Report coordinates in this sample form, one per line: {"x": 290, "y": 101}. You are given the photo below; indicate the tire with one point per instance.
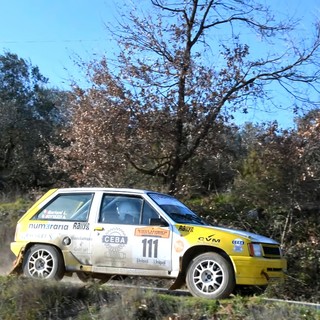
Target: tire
{"x": 43, "y": 262}
{"x": 209, "y": 275}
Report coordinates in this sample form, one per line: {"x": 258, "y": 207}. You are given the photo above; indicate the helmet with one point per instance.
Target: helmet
{"x": 127, "y": 210}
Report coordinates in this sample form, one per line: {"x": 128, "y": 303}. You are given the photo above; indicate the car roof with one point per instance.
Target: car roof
{"x": 109, "y": 190}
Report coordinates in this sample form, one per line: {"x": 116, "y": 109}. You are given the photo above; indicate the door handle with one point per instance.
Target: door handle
{"x": 98, "y": 229}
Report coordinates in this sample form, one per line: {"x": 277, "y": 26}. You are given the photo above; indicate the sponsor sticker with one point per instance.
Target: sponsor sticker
{"x": 185, "y": 228}
{"x": 237, "y": 245}
{"x": 178, "y": 246}
{"x": 152, "y": 232}
{"x": 209, "y": 238}
{"x": 41, "y": 236}
{"x": 81, "y": 226}
{"x": 48, "y": 226}
{"x": 52, "y": 214}
{"x": 115, "y": 239}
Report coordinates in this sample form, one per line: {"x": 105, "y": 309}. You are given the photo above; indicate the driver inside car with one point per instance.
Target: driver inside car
{"x": 128, "y": 212}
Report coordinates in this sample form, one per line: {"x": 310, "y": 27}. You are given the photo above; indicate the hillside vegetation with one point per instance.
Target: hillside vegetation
{"x": 27, "y": 299}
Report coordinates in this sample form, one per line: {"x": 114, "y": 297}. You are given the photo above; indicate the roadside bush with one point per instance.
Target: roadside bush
{"x": 27, "y": 299}
{"x": 10, "y": 212}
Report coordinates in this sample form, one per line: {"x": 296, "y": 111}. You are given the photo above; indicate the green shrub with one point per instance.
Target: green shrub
{"x": 22, "y": 298}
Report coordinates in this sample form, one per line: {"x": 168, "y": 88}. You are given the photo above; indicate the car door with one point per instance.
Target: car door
{"x": 124, "y": 236}
{"x": 65, "y": 221}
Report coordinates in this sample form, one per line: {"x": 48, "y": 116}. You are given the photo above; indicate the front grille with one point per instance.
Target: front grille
{"x": 271, "y": 251}
{"x": 274, "y": 269}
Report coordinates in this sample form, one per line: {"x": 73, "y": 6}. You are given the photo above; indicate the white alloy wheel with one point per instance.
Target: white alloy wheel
{"x": 43, "y": 262}
{"x": 210, "y": 275}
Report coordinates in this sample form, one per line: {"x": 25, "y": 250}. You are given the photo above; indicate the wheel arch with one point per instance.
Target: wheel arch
{"x": 18, "y": 263}
{"x": 49, "y": 263}
{"x": 66, "y": 256}
{"x": 194, "y": 251}
{"x": 31, "y": 244}
{"x": 189, "y": 255}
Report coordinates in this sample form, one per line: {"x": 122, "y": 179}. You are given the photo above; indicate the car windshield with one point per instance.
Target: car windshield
{"x": 175, "y": 209}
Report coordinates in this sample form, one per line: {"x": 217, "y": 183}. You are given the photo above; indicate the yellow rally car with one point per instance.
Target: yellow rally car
{"x": 102, "y": 233}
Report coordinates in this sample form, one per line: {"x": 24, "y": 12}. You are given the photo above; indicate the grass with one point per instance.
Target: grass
{"x": 22, "y": 298}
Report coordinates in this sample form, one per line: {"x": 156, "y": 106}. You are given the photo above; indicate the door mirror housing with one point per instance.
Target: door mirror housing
{"x": 158, "y": 222}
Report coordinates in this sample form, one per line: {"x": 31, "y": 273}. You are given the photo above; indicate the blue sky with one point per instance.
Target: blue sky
{"x": 51, "y": 34}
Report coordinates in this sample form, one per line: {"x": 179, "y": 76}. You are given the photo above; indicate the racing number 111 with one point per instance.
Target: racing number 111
{"x": 150, "y": 248}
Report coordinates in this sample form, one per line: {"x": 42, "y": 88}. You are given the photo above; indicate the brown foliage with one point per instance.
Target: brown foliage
{"x": 164, "y": 101}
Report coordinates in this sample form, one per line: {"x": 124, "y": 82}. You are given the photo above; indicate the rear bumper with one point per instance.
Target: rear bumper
{"x": 17, "y": 264}
{"x": 258, "y": 271}
{"x": 17, "y": 247}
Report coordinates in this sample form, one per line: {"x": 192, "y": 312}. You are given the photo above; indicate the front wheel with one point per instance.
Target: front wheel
{"x": 43, "y": 262}
{"x": 210, "y": 275}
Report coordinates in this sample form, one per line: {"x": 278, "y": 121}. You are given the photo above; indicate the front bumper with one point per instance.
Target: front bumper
{"x": 258, "y": 271}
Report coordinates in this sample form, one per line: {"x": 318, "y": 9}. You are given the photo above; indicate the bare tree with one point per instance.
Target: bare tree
{"x": 182, "y": 71}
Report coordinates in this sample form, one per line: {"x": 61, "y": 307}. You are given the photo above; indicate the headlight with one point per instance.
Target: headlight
{"x": 255, "y": 249}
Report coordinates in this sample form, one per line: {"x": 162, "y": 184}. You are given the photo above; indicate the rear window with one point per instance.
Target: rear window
{"x": 72, "y": 207}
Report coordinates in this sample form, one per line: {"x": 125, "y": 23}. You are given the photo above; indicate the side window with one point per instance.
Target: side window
{"x": 120, "y": 210}
{"x": 72, "y": 207}
{"x": 108, "y": 210}
{"x": 148, "y": 214}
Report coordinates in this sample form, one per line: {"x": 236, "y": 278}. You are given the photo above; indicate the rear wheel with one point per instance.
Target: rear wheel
{"x": 43, "y": 262}
{"x": 210, "y": 275}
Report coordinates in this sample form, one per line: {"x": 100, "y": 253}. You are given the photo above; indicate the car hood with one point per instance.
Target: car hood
{"x": 252, "y": 236}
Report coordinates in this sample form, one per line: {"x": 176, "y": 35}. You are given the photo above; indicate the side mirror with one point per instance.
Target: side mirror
{"x": 158, "y": 222}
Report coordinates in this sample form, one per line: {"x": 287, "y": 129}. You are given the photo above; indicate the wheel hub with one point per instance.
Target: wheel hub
{"x": 207, "y": 276}
{"x": 40, "y": 264}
